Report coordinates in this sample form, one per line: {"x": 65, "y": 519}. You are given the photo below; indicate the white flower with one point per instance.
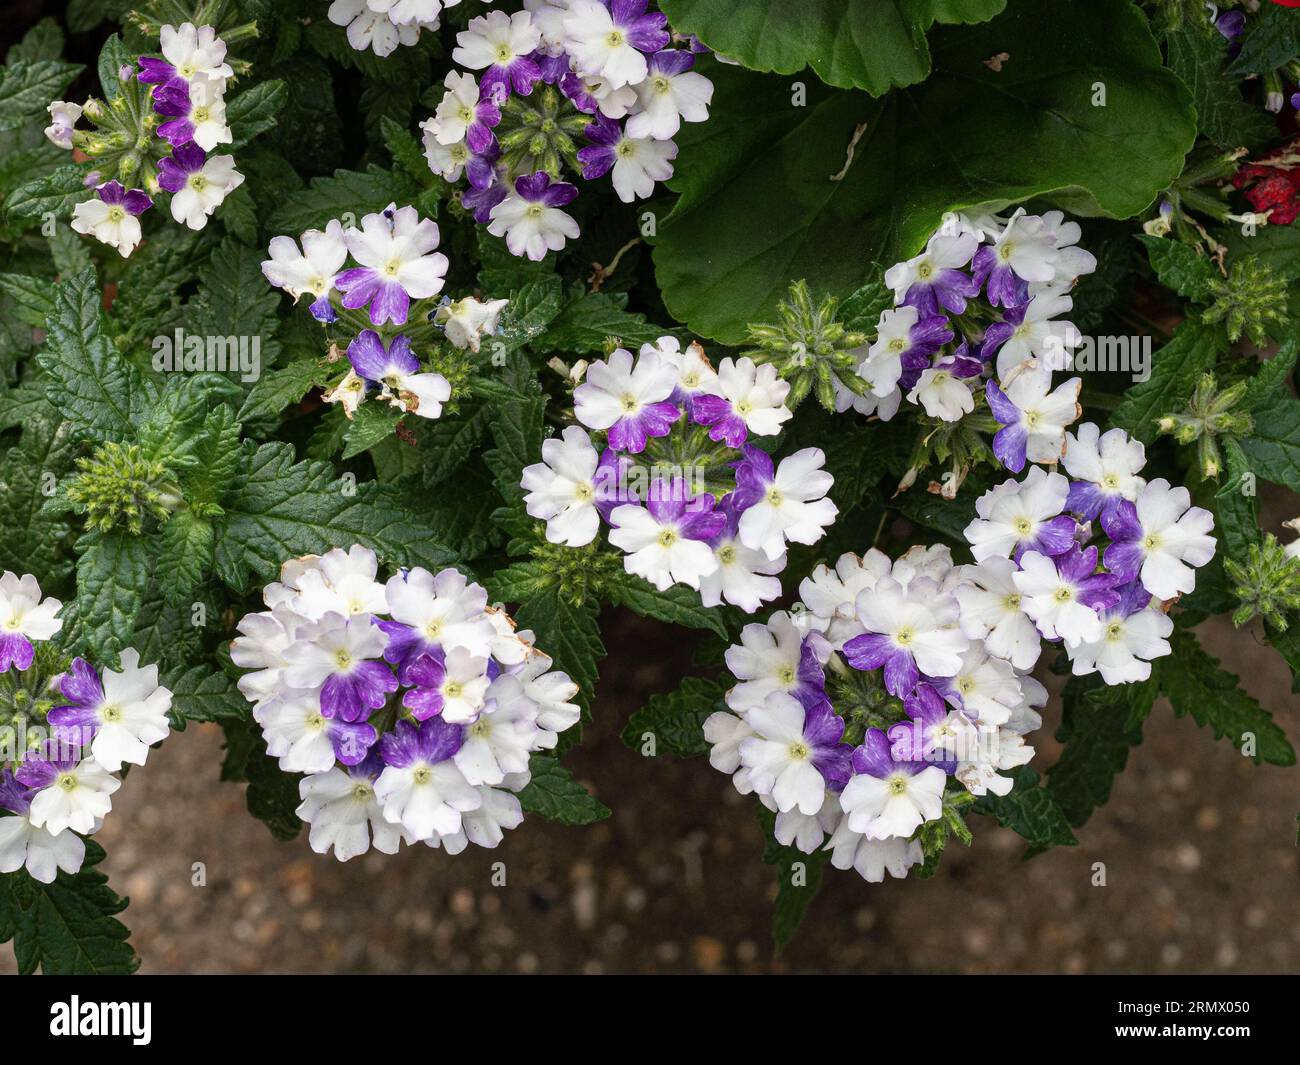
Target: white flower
{"x": 343, "y": 813}
{"x": 756, "y": 394}
{"x": 25, "y": 618}
{"x": 464, "y": 686}
{"x": 341, "y": 582}
{"x": 743, "y": 577}
{"x": 315, "y": 268}
{"x": 918, "y": 620}
{"x": 1028, "y": 246}
{"x": 1015, "y": 514}
{"x": 446, "y": 160}
{"x": 1292, "y": 550}
{"x": 499, "y": 812}
{"x": 895, "y": 805}
{"x": 1123, "y": 652}
{"x": 108, "y": 223}
{"x": 695, "y": 374}
{"x": 946, "y": 250}
{"x": 1111, "y": 461}
{"x": 195, "y": 51}
{"x": 1040, "y": 339}
{"x": 621, "y": 388}
{"x": 531, "y": 227}
{"x": 208, "y": 112}
{"x": 368, "y": 28}
{"x": 132, "y": 714}
{"x": 638, "y": 164}
{"x": 260, "y": 647}
{"x": 599, "y": 47}
{"x": 996, "y": 748}
{"x": 497, "y": 743}
{"x": 466, "y": 321}
{"x": 1175, "y": 537}
{"x": 942, "y": 394}
{"x": 397, "y": 246}
{"x": 335, "y": 644}
{"x": 561, "y": 488}
{"x": 766, "y": 660}
{"x": 778, "y": 758}
{"x": 205, "y": 190}
{"x": 296, "y": 732}
{"x": 553, "y": 691}
{"x": 1051, "y": 599}
{"x": 805, "y": 831}
{"x": 445, "y": 609}
{"x": 1044, "y": 412}
{"x": 990, "y": 611}
{"x": 496, "y": 39}
{"x": 657, "y": 547}
{"x": 987, "y": 688}
{"x": 832, "y": 595}
{"x": 725, "y": 732}
{"x": 793, "y": 507}
{"x": 883, "y": 365}
{"x": 666, "y": 100}
{"x": 1069, "y": 261}
{"x": 872, "y": 858}
{"x": 77, "y": 799}
{"x": 348, "y": 393}
{"x": 63, "y": 119}
{"x": 426, "y": 797}
{"x": 458, "y": 109}
{"x": 41, "y": 851}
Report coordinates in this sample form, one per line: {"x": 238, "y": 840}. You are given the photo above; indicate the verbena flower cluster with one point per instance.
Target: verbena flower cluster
{"x": 582, "y": 86}
{"x": 65, "y": 729}
{"x": 861, "y": 717}
{"x": 412, "y": 706}
{"x": 984, "y": 301}
{"x": 397, "y": 276}
{"x": 686, "y": 494}
{"x": 381, "y": 25}
{"x": 156, "y": 132}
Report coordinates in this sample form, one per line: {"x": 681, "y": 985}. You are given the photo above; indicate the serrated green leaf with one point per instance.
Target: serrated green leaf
{"x": 584, "y": 325}
{"x": 1029, "y": 810}
{"x": 357, "y": 192}
{"x": 33, "y": 539}
{"x": 1181, "y": 267}
{"x": 113, "y": 571}
{"x": 201, "y": 694}
{"x": 1272, "y": 448}
{"x": 554, "y": 794}
{"x": 32, "y": 296}
{"x": 27, "y": 86}
{"x": 676, "y": 719}
{"x": 678, "y": 605}
{"x": 1198, "y": 54}
{"x": 1175, "y": 369}
{"x": 1198, "y": 686}
{"x": 53, "y": 193}
{"x": 69, "y": 927}
{"x": 283, "y": 387}
{"x": 569, "y": 634}
{"x": 97, "y": 390}
{"x": 371, "y": 424}
{"x": 255, "y": 110}
{"x": 184, "y": 555}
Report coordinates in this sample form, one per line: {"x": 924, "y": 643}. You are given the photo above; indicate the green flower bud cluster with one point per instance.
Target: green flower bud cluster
{"x": 539, "y": 131}
{"x": 1209, "y": 415}
{"x": 1248, "y": 300}
{"x": 117, "y": 485}
{"x": 1267, "y": 584}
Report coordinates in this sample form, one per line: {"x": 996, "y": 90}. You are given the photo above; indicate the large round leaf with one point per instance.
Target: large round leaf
{"x": 1081, "y": 110}
{"x": 864, "y": 44}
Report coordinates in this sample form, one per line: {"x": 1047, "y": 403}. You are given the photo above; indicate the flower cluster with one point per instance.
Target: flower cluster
{"x": 687, "y": 497}
{"x": 396, "y": 277}
{"x": 975, "y": 332}
{"x": 863, "y": 715}
{"x": 381, "y": 25}
{"x": 156, "y": 132}
{"x": 412, "y": 706}
{"x": 65, "y": 729}
{"x": 558, "y": 73}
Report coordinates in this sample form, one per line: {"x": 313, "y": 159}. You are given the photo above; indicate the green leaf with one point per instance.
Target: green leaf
{"x": 518, "y": 405}
{"x": 1099, "y": 726}
{"x": 32, "y": 297}
{"x": 34, "y": 540}
{"x": 1181, "y": 267}
{"x": 569, "y": 634}
{"x": 798, "y": 879}
{"x": 42, "y": 41}
{"x": 357, "y": 192}
{"x": 255, "y": 110}
{"x": 584, "y": 325}
{"x": 969, "y": 136}
{"x": 283, "y": 387}
{"x": 278, "y": 509}
{"x": 69, "y": 927}
{"x": 554, "y": 794}
{"x": 1274, "y": 39}
{"x": 200, "y": 694}
{"x": 113, "y": 570}
{"x": 1030, "y": 810}
{"x": 874, "y": 45}
{"x": 216, "y": 459}
{"x": 530, "y": 310}
{"x": 676, "y": 719}
{"x": 404, "y": 149}
{"x": 97, "y": 390}
{"x": 236, "y": 308}
{"x": 1272, "y": 449}
{"x": 1175, "y": 369}
{"x": 185, "y": 555}
{"x": 371, "y": 424}
{"x": 678, "y": 605}
{"x": 1236, "y": 524}
{"x": 1198, "y": 54}
{"x": 1198, "y": 686}
{"x": 28, "y": 86}
{"x": 53, "y": 193}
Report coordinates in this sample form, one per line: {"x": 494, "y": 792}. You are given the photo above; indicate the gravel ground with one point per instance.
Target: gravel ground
{"x": 1198, "y": 843}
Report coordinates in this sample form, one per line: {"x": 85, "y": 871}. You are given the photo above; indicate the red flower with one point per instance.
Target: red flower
{"x": 1272, "y": 188}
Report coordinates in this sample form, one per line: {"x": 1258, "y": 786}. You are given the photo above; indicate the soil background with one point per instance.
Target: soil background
{"x": 1201, "y": 869}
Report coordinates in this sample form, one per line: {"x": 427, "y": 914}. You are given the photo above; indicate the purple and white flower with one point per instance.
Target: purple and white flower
{"x": 612, "y": 41}
{"x": 26, "y": 618}
{"x": 23, "y": 845}
{"x": 397, "y": 372}
{"x": 198, "y": 184}
{"x": 667, "y": 539}
{"x": 530, "y": 219}
{"x": 113, "y": 216}
{"x": 1105, "y": 468}
{"x": 887, "y": 798}
{"x": 562, "y": 488}
{"x": 628, "y": 399}
{"x": 119, "y": 717}
{"x": 501, "y": 46}
{"x": 1159, "y": 538}
{"x": 785, "y": 504}
{"x": 749, "y": 399}
{"x": 1065, "y": 594}
{"x": 399, "y": 263}
{"x": 795, "y": 754}
{"x": 637, "y": 163}
{"x": 1034, "y": 417}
